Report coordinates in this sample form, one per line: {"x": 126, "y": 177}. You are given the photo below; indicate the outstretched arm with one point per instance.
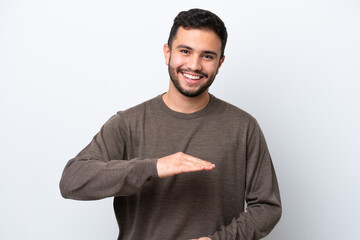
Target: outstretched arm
{"x": 100, "y": 171}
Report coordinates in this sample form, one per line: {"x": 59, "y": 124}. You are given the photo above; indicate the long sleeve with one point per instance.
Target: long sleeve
{"x": 120, "y": 162}
{"x": 262, "y": 194}
{"x": 101, "y": 170}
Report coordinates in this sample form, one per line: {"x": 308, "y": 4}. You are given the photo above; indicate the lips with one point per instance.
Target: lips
{"x": 190, "y": 78}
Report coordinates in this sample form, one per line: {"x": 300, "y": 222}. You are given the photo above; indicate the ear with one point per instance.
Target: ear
{"x": 220, "y": 63}
{"x": 166, "y": 50}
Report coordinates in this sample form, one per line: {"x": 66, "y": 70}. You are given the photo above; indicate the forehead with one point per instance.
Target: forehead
{"x": 198, "y": 39}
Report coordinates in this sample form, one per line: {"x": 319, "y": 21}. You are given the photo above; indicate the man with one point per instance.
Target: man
{"x": 182, "y": 165}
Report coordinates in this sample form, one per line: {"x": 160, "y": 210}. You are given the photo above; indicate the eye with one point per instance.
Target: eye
{"x": 184, "y": 51}
{"x": 209, "y": 57}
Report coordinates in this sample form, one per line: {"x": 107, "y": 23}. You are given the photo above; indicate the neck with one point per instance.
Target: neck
{"x": 180, "y": 103}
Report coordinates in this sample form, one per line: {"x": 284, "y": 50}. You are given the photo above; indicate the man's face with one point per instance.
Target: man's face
{"x": 194, "y": 60}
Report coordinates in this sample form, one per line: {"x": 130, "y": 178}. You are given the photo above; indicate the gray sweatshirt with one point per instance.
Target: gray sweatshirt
{"x": 120, "y": 162}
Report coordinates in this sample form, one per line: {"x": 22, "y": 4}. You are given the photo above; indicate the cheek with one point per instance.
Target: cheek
{"x": 176, "y": 61}
{"x": 214, "y": 67}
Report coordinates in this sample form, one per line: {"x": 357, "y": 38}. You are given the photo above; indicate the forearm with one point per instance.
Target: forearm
{"x": 254, "y": 224}
{"x": 93, "y": 179}
{"x": 101, "y": 169}
{"x": 262, "y": 195}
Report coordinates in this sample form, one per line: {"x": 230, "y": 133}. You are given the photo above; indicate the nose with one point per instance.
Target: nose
{"x": 195, "y": 63}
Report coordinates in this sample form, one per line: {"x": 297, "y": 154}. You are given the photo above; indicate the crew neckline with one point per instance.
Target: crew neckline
{"x": 176, "y": 114}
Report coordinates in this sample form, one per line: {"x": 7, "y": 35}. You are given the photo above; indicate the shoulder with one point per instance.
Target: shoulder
{"x": 140, "y": 109}
{"x": 136, "y": 113}
{"x": 238, "y": 119}
{"x": 122, "y": 119}
{"x": 232, "y": 112}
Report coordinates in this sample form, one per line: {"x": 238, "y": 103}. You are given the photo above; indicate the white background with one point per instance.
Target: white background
{"x": 67, "y": 66}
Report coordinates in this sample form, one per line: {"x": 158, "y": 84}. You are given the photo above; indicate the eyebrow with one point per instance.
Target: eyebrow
{"x": 189, "y": 48}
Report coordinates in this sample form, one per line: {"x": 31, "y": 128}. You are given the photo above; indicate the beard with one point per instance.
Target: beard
{"x": 189, "y": 92}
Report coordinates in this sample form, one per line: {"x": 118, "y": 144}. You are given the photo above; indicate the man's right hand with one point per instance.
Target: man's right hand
{"x": 179, "y": 163}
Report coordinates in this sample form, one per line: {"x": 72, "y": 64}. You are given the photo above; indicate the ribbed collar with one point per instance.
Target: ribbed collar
{"x": 175, "y": 114}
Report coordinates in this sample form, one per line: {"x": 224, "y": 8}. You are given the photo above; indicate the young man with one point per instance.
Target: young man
{"x": 182, "y": 165}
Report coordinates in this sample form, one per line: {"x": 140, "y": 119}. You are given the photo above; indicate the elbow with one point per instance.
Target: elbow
{"x": 276, "y": 207}
{"x": 71, "y": 189}
{"x": 68, "y": 187}
{"x": 64, "y": 189}
{"x": 277, "y": 214}
{"x": 68, "y": 191}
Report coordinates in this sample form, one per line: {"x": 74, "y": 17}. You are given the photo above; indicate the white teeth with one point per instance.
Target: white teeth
{"x": 191, "y": 76}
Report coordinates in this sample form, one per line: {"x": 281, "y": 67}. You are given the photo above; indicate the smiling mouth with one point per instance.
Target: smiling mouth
{"x": 192, "y": 77}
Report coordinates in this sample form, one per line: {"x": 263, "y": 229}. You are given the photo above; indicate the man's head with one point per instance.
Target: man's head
{"x": 199, "y": 19}
{"x": 195, "y": 51}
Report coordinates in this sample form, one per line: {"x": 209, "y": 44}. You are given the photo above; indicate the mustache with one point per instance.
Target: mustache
{"x": 178, "y": 70}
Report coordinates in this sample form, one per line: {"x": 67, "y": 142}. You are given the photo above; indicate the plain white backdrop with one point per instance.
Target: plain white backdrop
{"x": 67, "y": 66}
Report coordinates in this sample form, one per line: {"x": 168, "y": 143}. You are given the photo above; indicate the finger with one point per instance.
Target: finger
{"x": 201, "y": 165}
{"x": 196, "y": 160}
{"x": 193, "y": 167}
{"x": 209, "y": 167}
{"x": 188, "y": 159}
